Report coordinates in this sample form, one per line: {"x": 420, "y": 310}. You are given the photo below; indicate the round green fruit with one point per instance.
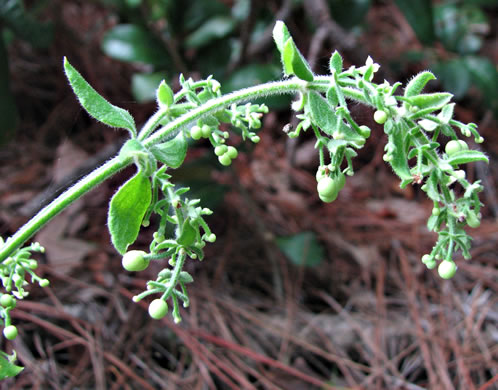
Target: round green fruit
{"x": 232, "y": 152}
{"x": 134, "y": 261}
{"x": 158, "y": 308}
{"x": 455, "y": 146}
{"x": 196, "y": 132}
{"x": 10, "y": 332}
{"x": 225, "y": 159}
{"x": 327, "y": 188}
{"x": 7, "y": 300}
{"x": 447, "y": 269}
{"x": 473, "y": 220}
{"x": 380, "y": 117}
{"x": 220, "y": 150}
{"x": 206, "y": 131}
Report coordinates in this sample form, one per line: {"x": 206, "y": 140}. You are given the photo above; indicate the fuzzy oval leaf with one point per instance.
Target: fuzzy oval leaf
{"x": 399, "y": 163}
{"x": 335, "y": 63}
{"x": 171, "y": 153}
{"x": 428, "y": 100}
{"x": 164, "y": 94}
{"x": 322, "y": 113}
{"x": 280, "y": 35}
{"x": 127, "y": 209}
{"x": 8, "y": 369}
{"x": 417, "y": 84}
{"x": 295, "y": 63}
{"x": 96, "y": 105}
{"x": 467, "y": 156}
{"x": 188, "y": 234}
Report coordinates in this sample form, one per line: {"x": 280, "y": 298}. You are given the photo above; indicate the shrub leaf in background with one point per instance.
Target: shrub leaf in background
{"x": 127, "y": 209}
{"x": 302, "y": 249}
{"x": 96, "y": 105}
{"x": 132, "y": 43}
{"x": 419, "y": 15}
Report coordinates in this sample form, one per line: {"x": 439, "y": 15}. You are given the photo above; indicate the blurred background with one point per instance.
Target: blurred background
{"x": 295, "y": 293}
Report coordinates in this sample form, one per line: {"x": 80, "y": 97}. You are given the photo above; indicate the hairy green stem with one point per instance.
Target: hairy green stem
{"x": 60, "y": 203}
{"x": 114, "y": 165}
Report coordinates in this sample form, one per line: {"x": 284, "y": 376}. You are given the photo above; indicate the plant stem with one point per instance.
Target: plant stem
{"x": 114, "y": 165}
{"x": 60, "y": 203}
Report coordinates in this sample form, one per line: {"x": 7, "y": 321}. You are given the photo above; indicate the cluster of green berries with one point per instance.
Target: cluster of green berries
{"x": 8, "y": 302}
{"x": 198, "y": 132}
{"x": 446, "y": 268}
{"x": 226, "y": 154}
{"x": 328, "y": 187}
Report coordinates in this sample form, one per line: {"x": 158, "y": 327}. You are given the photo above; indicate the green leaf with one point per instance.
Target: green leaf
{"x": 302, "y": 249}
{"x": 429, "y": 100}
{"x": 349, "y": 13}
{"x": 454, "y": 76}
{"x": 14, "y": 16}
{"x": 295, "y": 63}
{"x": 8, "y": 110}
{"x": 132, "y": 43}
{"x": 332, "y": 97}
{"x": 127, "y": 209}
{"x": 485, "y": 75}
{"x": 431, "y": 186}
{"x": 213, "y": 29}
{"x": 188, "y": 234}
{"x": 417, "y": 84}
{"x": 164, "y": 94}
{"x": 466, "y": 156}
{"x": 171, "y": 153}
{"x": 399, "y": 163}
{"x": 335, "y": 64}
{"x": 322, "y": 113}
{"x": 8, "y": 369}
{"x": 96, "y": 105}
{"x": 419, "y": 15}
{"x": 144, "y": 86}
{"x": 280, "y": 35}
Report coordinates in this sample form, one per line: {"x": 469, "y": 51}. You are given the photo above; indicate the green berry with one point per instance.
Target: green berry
{"x": 7, "y": 300}
{"x": 430, "y": 264}
{"x": 158, "y": 308}
{"x": 365, "y": 131}
{"x": 463, "y": 145}
{"x": 380, "y": 117}
{"x": 479, "y": 140}
{"x": 472, "y": 219}
{"x": 225, "y": 159}
{"x": 255, "y": 139}
{"x": 327, "y": 187}
{"x": 436, "y": 211}
{"x": 327, "y": 199}
{"x": 196, "y": 132}
{"x": 426, "y": 259}
{"x": 220, "y": 149}
{"x": 135, "y": 261}
{"x": 44, "y": 283}
{"x": 455, "y": 146}
{"x": 206, "y": 131}
{"x": 211, "y": 238}
{"x": 232, "y": 152}
{"x": 447, "y": 269}
{"x": 10, "y": 332}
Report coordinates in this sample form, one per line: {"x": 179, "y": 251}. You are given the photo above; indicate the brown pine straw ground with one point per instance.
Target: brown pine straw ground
{"x": 370, "y": 316}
